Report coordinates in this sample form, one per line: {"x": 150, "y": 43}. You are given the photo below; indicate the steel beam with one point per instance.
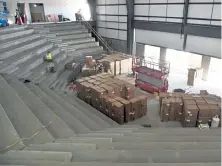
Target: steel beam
{"x": 190, "y": 29}
{"x": 185, "y": 15}
{"x": 130, "y": 27}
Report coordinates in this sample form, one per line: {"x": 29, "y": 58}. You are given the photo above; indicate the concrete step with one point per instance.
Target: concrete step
{"x": 93, "y": 50}
{"x": 71, "y": 121}
{"x": 56, "y": 127}
{"x": 21, "y": 57}
{"x": 78, "y": 41}
{"x": 62, "y": 24}
{"x": 16, "y": 41}
{"x": 12, "y": 29}
{"x": 22, "y": 48}
{"x": 78, "y": 114}
{"x": 64, "y": 28}
{"x": 81, "y": 46}
{"x": 158, "y": 145}
{"x": 54, "y": 163}
{"x": 91, "y": 140}
{"x": 12, "y": 35}
{"x": 8, "y": 135}
{"x": 37, "y": 155}
{"x": 88, "y": 111}
{"x": 71, "y": 32}
{"x": 61, "y": 147}
{"x": 75, "y": 36}
{"x": 22, "y": 118}
{"x": 78, "y": 102}
{"x": 148, "y": 156}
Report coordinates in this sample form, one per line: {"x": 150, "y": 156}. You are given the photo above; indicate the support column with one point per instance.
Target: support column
{"x": 162, "y": 58}
{"x": 140, "y": 50}
{"x": 130, "y": 29}
{"x": 205, "y": 65}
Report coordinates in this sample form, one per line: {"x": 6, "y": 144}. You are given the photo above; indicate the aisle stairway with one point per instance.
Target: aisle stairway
{"x": 70, "y": 132}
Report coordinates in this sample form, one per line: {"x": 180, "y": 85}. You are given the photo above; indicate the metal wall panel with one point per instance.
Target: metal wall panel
{"x": 112, "y": 19}
{"x": 163, "y": 39}
{"x": 204, "y": 46}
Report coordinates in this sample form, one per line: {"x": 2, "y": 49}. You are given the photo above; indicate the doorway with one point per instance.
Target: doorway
{"x": 37, "y": 12}
{"x": 21, "y": 9}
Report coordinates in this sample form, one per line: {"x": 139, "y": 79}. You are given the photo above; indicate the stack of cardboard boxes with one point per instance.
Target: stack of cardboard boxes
{"x": 191, "y": 110}
{"x": 113, "y": 97}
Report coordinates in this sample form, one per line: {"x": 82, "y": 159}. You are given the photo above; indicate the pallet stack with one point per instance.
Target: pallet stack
{"x": 191, "y": 110}
{"x": 113, "y": 97}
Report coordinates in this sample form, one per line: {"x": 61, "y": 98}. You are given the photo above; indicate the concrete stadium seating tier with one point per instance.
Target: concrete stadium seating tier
{"x": 42, "y": 125}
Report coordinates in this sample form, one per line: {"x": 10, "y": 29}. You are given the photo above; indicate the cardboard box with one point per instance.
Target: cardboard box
{"x": 204, "y": 110}
{"x": 143, "y": 105}
{"x": 109, "y": 89}
{"x": 165, "y": 110}
{"x": 190, "y": 116}
{"x": 117, "y": 112}
{"x": 135, "y": 112}
{"x": 129, "y": 89}
{"x": 127, "y": 108}
{"x": 109, "y": 105}
{"x": 179, "y": 109}
{"x": 214, "y": 110}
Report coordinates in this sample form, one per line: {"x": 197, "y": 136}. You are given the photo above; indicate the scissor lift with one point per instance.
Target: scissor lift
{"x": 151, "y": 74}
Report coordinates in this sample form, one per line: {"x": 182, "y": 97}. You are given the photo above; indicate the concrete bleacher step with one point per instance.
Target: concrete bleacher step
{"x": 56, "y": 127}
{"x": 63, "y": 24}
{"x": 61, "y": 147}
{"x": 15, "y": 34}
{"x": 14, "y": 29}
{"x": 22, "y": 48}
{"x": 88, "y": 122}
{"x": 64, "y": 28}
{"x": 22, "y": 118}
{"x": 78, "y": 41}
{"x": 148, "y": 156}
{"x": 82, "y": 46}
{"x": 37, "y": 155}
{"x": 54, "y": 163}
{"x": 90, "y": 111}
{"x": 71, "y": 121}
{"x": 9, "y": 135}
{"x": 75, "y": 36}
{"x": 97, "y": 49}
{"x": 93, "y": 140}
{"x": 158, "y": 145}
{"x": 21, "y": 57}
{"x": 71, "y": 32}
{"x": 102, "y": 121}
{"x": 16, "y": 41}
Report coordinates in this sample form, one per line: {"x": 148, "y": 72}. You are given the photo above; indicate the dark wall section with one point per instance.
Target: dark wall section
{"x": 117, "y": 45}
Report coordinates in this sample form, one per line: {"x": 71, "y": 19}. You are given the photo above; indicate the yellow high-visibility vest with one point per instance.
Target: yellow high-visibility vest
{"x": 48, "y": 56}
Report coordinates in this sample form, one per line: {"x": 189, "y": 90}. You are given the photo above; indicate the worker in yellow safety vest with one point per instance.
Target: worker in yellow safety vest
{"x": 48, "y": 57}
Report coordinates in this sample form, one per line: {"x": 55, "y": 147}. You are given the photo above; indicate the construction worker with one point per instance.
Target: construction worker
{"x": 16, "y": 14}
{"x": 48, "y": 57}
{"x": 51, "y": 66}
{"x": 78, "y": 16}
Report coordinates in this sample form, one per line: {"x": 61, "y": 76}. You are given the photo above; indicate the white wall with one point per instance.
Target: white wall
{"x": 67, "y": 8}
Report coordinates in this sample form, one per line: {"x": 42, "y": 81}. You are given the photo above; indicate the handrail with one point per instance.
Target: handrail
{"x": 108, "y": 47}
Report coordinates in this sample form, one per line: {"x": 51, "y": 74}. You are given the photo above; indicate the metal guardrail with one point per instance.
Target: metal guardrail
{"x": 105, "y": 44}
